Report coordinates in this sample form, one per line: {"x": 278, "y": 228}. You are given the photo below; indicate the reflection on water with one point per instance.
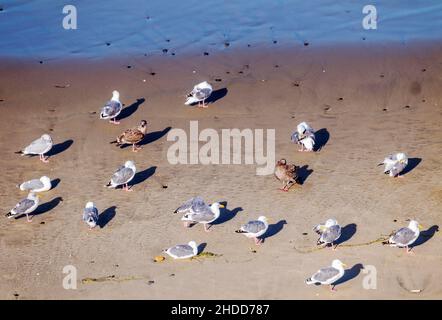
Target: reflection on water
{"x": 173, "y": 27}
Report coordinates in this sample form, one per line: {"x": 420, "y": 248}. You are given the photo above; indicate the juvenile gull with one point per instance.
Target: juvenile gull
{"x": 123, "y": 176}
{"x": 394, "y": 164}
{"x": 199, "y": 94}
{"x": 132, "y": 136}
{"x": 25, "y": 206}
{"x": 328, "y": 275}
{"x": 36, "y": 185}
{"x": 305, "y": 136}
{"x": 330, "y": 231}
{"x": 287, "y": 173}
{"x": 255, "y": 229}
{"x": 112, "y": 108}
{"x": 196, "y": 210}
{"x": 39, "y": 146}
{"x": 406, "y": 236}
{"x": 90, "y": 215}
{"x": 183, "y": 251}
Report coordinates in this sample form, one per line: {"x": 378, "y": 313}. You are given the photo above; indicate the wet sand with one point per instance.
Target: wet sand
{"x": 366, "y": 102}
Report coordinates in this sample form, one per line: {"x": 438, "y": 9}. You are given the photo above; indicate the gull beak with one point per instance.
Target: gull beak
{"x": 222, "y": 206}
{"x": 420, "y": 227}
{"x": 344, "y": 265}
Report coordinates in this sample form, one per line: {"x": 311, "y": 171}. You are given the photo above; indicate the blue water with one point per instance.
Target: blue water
{"x": 33, "y": 29}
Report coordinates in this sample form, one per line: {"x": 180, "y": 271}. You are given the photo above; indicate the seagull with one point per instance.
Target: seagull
{"x": 287, "y": 173}
{"x": 328, "y": 275}
{"x": 25, "y": 206}
{"x": 196, "y": 210}
{"x": 90, "y": 215}
{"x": 199, "y": 94}
{"x": 36, "y": 185}
{"x": 132, "y": 136}
{"x": 406, "y": 236}
{"x": 305, "y": 136}
{"x": 112, "y": 108}
{"x": 255, "y": 229}
{"x": 330, "y": 232}
{"x": 395, "y": 164}
{"x": 183, "y": 251}
{"x": 123, "y": 176}
{"x": 39, "y": 146}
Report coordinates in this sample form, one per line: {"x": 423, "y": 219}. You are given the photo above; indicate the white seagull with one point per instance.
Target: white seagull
{"x": 406, "y": 236}
{"x": 196, "y": 210}
{"x": 112, "y": 108}
{"x": 25, "y": 206}
{"x": 394, "y": 164}
{"x": 36, "y": 185}
{"x": 328, "y": 275}
{"x": 330, "y": 231}
{"x": 255, "y": 229}
{"x": 183, "y": 251}
{"x": 123, "y": 176}
{"x": 90, "y": 215}
{"x": 199, "y": 94}
{"x": 39, "y": 146}
{"x": 305, "y": 136}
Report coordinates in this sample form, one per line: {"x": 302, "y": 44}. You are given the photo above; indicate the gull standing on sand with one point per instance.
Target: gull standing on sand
{"x": 36, "y": 185}
{"x": 25, "y": 206}
{"x": 406, "y": 236}
{"x": 199, "y": 94}
{"x": 90, "y": 215}
{"x": 255, "y": 229}
{"x": 287, "y": 173}
{"x": 328, "y": 275}
{"x": 305, "y": 136}
{"x": 39, "y": 146}
{"x": 395, "y": 164}
{"x": 196, "y": 210}
{"x": 132, "y": 136}
{"x": 330, "y": 231}
{"x": 112, "y": 108}
{"x": 123, "y": 176}
{"x": 183, "y": 251}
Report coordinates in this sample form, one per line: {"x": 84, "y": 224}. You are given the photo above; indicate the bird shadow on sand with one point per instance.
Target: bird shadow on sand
{"x": 425, "y": 235}
{"x": 347, "y": 233}
{"x": 274, "y": 229}
{"x": 142, "y": 176}
{"x": 226, "y": 214}
{"x": 130, "y": 110}
{"x": 45, "y": 207}
{"x": 321, "y": 138}
{"x": 412, "y": 163}
{"x": 217, "y": 95}
{"x": 350, "y": 274}
{"x": 59, "y": 148}
{"x": 201, "y": 247}
{"x": 154, "y": 136}
{"x": 54, "y": 183}
{"x": 303, "y": 173}
{"x": 106, "y": 216}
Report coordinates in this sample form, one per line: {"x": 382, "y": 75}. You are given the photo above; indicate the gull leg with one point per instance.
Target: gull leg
{"x": 27, "y": 218}
{"x": 334, "y": 248}
{"x": 206, "y": 227}
{"x": 113, "y": 121}
{"x": 135, "y": 148}
{"x": 43, "y": 158}
{"x": 409, "y": 250}
{"x": 332, "y": 288}
{"x": 186, "y": 224}
{"x": 204, "y": 104}
{"x": 126, "y": 188}
{"x": 258, "y": 241}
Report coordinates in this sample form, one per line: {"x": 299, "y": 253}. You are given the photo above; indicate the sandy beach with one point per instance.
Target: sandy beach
{"x": 367, "y": 101}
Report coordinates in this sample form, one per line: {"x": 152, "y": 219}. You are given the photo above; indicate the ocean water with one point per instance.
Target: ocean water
{"x": 34, "y": 29}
